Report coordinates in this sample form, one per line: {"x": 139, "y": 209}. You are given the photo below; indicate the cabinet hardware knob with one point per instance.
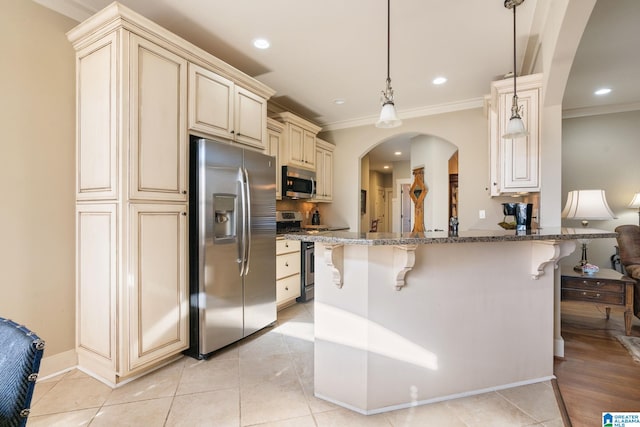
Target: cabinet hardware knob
{"x": 233, "y": 131}
{"x": 286, "y": 264}
{"x": 286, "y": 288}
{"x": 184, "y": 214}
{"x": 184, "y": 191}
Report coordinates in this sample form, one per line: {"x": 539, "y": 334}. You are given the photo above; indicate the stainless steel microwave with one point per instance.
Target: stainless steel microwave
{"x": 298, "y": 183}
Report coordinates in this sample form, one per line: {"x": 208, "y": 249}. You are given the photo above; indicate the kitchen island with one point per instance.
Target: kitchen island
{"x": 409, "y": 319}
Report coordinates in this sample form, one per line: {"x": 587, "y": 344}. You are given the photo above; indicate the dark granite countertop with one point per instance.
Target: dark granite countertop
{"x": 468, "y": 236}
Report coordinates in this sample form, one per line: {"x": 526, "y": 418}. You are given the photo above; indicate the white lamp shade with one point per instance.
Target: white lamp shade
{"x": 586, "y": 205}
{"x": 388, "y": 116}
{"x": 515, "y": 128}
{"x": 635, "y": 203}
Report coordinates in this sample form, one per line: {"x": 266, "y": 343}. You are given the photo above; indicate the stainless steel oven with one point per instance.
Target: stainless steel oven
{"x": 307, "y": 268}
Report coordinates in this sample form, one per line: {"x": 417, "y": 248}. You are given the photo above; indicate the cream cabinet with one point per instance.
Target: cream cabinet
{"x": 219, "y": 107}
{"x": 157, "y": 293}
{"x": 132, "y": 89}
{"x": 287, "y": 272}
{"x": 158, "y": 135}
{"x": 298, "y": 146}
{"x": 515, "y": 163}
{"x": 274, "y": 137}
{"x": 324, "y": 171}
{"x": 132, "y": 242}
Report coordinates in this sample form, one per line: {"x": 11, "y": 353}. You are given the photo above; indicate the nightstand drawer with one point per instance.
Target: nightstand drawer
{"x": 593, "y": 296}
{"x": 592, "y": 284}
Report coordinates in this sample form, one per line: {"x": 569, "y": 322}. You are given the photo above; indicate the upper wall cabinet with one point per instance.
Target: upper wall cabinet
{"x": 219, "y": 107}
{"x": 324, "y": 171}
{"x": 515, "y": 163}
{"x": 298, "y": 146}
{"x": 274, "y": 136}
{"x": 158, "y": 133}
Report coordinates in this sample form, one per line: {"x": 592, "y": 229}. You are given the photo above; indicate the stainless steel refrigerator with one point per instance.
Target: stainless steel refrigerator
{"x": 232, "y": 250}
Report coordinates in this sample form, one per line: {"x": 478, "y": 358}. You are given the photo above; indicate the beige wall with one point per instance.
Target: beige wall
{"x": 602, "y": 152}
{"x": 37, "y": 117}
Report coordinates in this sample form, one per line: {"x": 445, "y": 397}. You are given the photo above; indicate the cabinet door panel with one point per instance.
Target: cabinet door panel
{"x": 273, "y": 144}
{"x": 97, "y": 151}
{"x": 296, "y": 145}
{"x": 158, "y": 123}
{"x": 309, "y": 149}
{"x": 521, "y": 155}
{"x": 96, "y": 277}
{"x": 158, "y": 298}
{"x": 328, "y": 175}
{"x": 250, "y": 118}
{"x": 210, "y": 102}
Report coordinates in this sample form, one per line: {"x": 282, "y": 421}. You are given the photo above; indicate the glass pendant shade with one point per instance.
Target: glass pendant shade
{"x": 388, "y": 116}
{"x": 515, "y": 128}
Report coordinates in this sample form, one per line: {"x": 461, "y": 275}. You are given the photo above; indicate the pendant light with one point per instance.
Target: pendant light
{"x": 515, "y": 127}
{"x": 388, "y": 115}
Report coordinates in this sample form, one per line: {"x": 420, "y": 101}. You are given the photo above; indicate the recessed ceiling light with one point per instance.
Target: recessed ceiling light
{"x": 439, "y": 80}
{"x": 385, "y": 167}
{"x": 261, "y": 43}
{"x": 603, "y": 91}
{"x": 398, "y": 153}
{"x": 339, "y": 101}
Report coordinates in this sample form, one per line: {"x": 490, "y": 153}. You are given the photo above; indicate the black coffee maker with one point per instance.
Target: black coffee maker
{"x": 521, "y": 212}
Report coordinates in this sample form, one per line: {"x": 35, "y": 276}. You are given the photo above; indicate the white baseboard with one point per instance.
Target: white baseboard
{"x": 50, "y": 366}
{"x": 434, "y": 400}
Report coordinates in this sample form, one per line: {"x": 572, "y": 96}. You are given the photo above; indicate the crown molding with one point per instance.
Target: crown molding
{"x": 600, "y": 110}
{"x": 410, "y": 113}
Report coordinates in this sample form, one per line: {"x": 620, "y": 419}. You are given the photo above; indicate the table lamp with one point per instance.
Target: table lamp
{"x": 586, "y": 205}
{"x": 635, "y": 203}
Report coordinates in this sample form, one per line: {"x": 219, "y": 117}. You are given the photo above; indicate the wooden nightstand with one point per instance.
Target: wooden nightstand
{"x": 607, "y": 287}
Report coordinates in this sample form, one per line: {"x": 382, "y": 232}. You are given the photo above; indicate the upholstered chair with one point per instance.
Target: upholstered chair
{"x": 20, "y": 354}
{"x": 629, "y": 243}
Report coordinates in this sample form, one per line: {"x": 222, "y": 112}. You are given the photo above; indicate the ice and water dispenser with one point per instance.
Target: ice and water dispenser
{"x": 224, "y": 221}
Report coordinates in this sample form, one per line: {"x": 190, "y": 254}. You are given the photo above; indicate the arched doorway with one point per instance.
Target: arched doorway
{"x": 386, "y": 189}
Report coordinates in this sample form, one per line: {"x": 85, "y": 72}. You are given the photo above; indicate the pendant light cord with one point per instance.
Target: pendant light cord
{"x": 514, "y": 51}
{"x": 388, "y": 39}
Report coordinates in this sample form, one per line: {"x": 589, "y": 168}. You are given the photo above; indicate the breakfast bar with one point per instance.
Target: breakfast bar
{"x": 408, "y": 319}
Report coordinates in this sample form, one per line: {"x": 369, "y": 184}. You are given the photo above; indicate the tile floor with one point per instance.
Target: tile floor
{"x": 266, "y": 380}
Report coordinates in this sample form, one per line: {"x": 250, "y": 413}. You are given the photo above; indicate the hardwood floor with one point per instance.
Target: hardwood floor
{"x": 597, "y": 373}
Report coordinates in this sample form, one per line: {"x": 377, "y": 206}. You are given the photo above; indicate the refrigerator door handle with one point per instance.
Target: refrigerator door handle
{"x": 241, "y": 223}
{"x": 247, "y": 231}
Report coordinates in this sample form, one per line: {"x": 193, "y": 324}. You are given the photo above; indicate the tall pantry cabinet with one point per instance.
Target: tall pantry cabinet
{"x": 132, "y": 193}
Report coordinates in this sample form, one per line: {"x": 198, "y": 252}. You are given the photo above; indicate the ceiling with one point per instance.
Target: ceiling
{"x": 336, "y": 49}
